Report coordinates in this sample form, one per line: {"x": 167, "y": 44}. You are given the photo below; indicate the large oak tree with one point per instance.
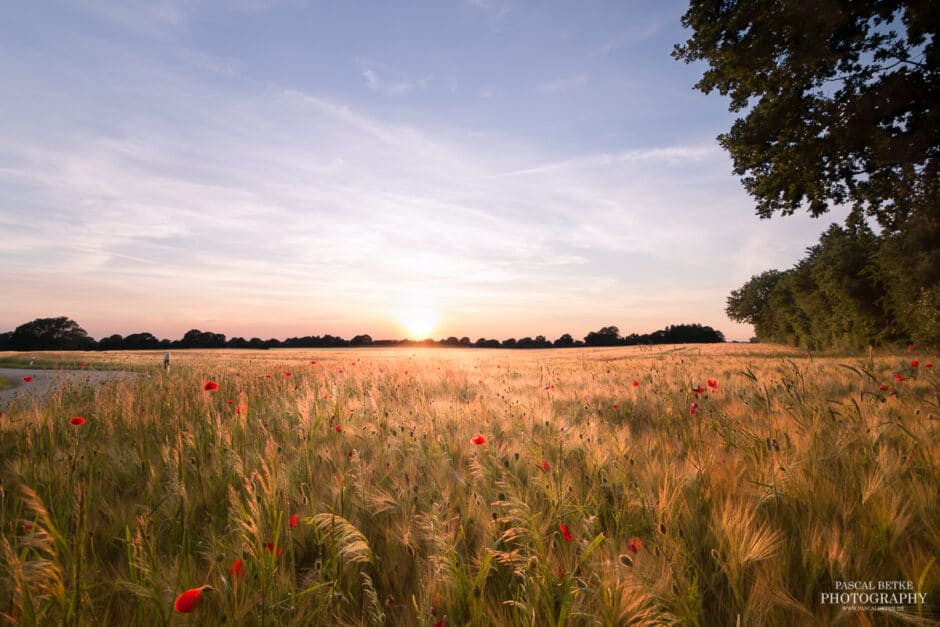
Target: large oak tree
{"x": 838, "y": 101}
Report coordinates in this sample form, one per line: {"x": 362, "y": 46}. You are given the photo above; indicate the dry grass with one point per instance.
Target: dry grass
{"x": 796, "y": 473}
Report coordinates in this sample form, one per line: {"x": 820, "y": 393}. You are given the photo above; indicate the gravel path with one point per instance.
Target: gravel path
{"x": 42, "y": 381}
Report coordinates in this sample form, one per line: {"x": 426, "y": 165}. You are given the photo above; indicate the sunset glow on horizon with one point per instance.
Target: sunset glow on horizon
{"x": 419, "y": 324}
{"x": 483, "y": 169}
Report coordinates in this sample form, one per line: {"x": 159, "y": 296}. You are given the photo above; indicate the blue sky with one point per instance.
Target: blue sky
{"x": 273, "y": 168}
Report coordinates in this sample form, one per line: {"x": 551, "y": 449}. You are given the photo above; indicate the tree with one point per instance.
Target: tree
{"x": 564, "y": 341}
{"x": 141, "y": 341}
{"x": 361, "y": 340}
{"x": 111, "y": 343}
{"x": 846, "y": 281}
{"x": 834, "y": 298}
{"x": 607, "y": 336}
{"x": 839, "y": 101}
{"x": 909, "y": 264}
{"x": 194, "y": 338}
{"x": 51, "y": 334}
{"x": 687, "y": 334}
{"x": 749, "y": 302}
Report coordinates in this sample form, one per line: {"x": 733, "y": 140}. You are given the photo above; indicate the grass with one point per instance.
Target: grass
{"x": 794, "y": 474}
{"x": 6, "y": 384}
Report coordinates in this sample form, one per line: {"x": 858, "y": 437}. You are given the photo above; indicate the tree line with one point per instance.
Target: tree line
{"x": 854, "y": 288}
{"x": 63, "y": 333}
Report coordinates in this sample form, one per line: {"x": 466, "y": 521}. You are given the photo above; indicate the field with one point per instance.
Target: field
{"x": 720, "y": 485}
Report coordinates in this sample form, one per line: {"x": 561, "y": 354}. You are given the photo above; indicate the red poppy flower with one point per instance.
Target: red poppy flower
{"x": 273, "y": 549}
{"x": 338, "y": 428}
{"x": 237, "y": 570}
{"x": 545, "y": 465}
{"x": 699, "y": 390}
{"x": 636, "y": 383}
{"x": 440, "y": 623}
{"x": 77, "y": 420}
{"x": 713, "y": 383}
{"x": 549, "y": 387}
{"x": 564, "y": 532}
{"x": 287, "y": 375}
{"x": 898, "y": 377}
{"x": 294, "y": 519}
{"x": 915, "y": 363}
{"x": 81, "y": 365}
{"x": 27, "y": 378}
{"x": 614, "y": 406}
{"x": 634, "y": 545}
{"x": 189, "y": 600}
{"x": 313, "y": 362}
{"x": 479, "y": 439}
{"x": 28, "y": 527}
{"x": 883, "y": 387}
{"x": 210, "y": 386}
{"x": 241, "y": 409}
{"x": 693, "y": 408}
{"x": 928, "y": 365}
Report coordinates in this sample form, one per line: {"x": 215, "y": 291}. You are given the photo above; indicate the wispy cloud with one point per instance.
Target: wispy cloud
{"x": 377, "y": 84}
{"x": 566, "y": 83}
{"x": 140, "y": 15}
{"x": 344, "y": 114}
{"x": 637, "y": 33}
{"x": 214, "y": 64}
{"x": 383, "y": 80}
{"x": 262, "y": 6}
{"x": 498, "y": 8}
{"x": 664, "y": 154}
{"x": 148, "y": 15}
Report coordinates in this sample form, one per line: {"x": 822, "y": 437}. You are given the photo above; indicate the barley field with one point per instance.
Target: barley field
{"x": 718, "y": 485}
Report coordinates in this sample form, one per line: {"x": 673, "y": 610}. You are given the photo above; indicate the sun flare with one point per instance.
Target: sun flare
{"x": 419, "y": 323}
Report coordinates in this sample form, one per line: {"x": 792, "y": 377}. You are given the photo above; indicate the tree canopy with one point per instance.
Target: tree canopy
{"x": 839, "y": 101}
{"x": 51, "y": 333}
{"x": 835, "y": 297}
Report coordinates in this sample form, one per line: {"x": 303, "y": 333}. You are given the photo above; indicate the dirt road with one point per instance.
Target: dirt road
{"x": 41, "y": 381}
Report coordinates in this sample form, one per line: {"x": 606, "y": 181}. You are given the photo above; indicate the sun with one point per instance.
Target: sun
{"x": 418, "y": 322}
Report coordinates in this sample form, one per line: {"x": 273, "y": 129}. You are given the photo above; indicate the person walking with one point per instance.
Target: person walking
{"x": 166, "y": 361}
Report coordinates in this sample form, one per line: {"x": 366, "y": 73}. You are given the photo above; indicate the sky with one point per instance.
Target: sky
{"x": 278, "y": 168}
